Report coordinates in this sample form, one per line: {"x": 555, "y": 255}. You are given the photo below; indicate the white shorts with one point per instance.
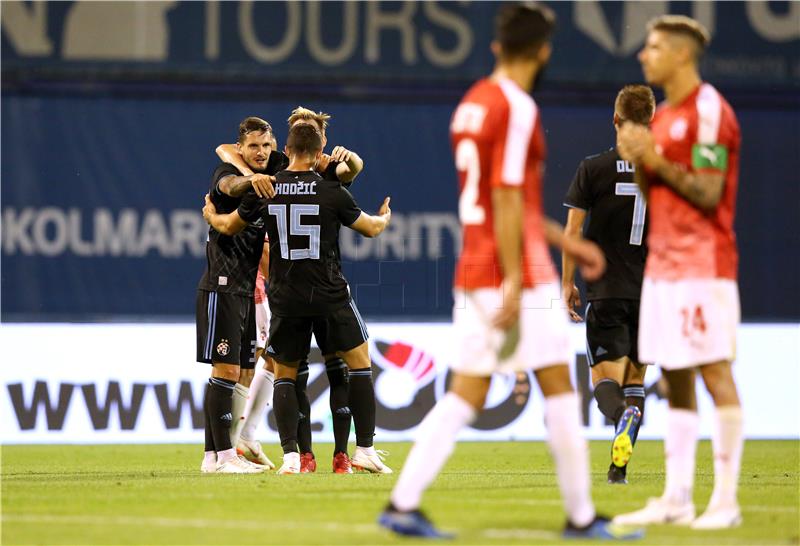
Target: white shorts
{"x": 687, "y": 323}
{"x": 262, "y": 324}
{"x": 543, "y": 332}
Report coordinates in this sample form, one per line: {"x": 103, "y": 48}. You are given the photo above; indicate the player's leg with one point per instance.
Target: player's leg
{"x": 436, "y": 437}
{"x": 307, "y": 461}
{"x": 336, "y": 370}
{"x": 727, "y": 443}
{"x": 339, "y": 399}
{"x": 222, "y": 347}
{"x": 247, "y": 361}
{"x": 260, "y": 392}
{"x": 362, "y": 404}
{"x": 287, "y": 414}
{"x": 205, "y": 316}
{"x": 346, "y": 335}
{"x": 290, "y": 341}
{"x": 567, "y": 445}
{"x": 663, "y": 339}
{"x": 255, "y": 409}
{"x": 472, "y": 367}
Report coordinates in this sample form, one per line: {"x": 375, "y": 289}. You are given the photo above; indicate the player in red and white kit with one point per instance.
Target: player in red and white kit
{"x": 507, "y": 313}
{"x": 261, "y": 387}
{"x": 690, "y": 299}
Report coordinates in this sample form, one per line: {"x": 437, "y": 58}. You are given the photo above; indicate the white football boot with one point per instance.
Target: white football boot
{"x": 657, "y": 512}
{"x": 719, "y": 517}
{"x": 291, "y": 463}
{"x": 209, "y": 465}
{"x": 369, "y": 459}
{"x": 253, "y": 452}
{"x": 238, "y": 465}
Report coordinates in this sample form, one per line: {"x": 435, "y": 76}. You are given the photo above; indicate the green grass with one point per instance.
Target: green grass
{"x": 490, "y": 493}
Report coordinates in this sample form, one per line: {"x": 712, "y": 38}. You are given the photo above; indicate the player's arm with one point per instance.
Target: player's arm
{"x": 370, "y": 225}
{"x": 587, "y": 255}
{"x": 571, "y": 294}
{"x": 702, "y": 189}
{"x": 263, "y": 264}
{"x": 227, "y": 224}
{"x": 230, "y": 154}
{"x": 508, "y": 234}
{"x": 350, "y": 164}
{"x": 236, "y": 186}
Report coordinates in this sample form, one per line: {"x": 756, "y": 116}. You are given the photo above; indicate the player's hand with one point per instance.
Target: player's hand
{"x": 341, "y": 154}
{"x": 262, "y": 185}
{"x": 508, "y": 315}
{"x": 385, "y": 211}
{"x": 209, "y": 209}
{"x": 635, "y": 143}
{"x": 572, "y": 297}
{"x": 322, "y": 164}
{"x": 590, "y": 259}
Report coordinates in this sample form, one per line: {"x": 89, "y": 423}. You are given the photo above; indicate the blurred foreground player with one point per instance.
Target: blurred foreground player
{"x": 307, "y": 291}
{"x": 688, "y": 166}
{"x": 604, "y": 189}
{"x": 506, "y": 288}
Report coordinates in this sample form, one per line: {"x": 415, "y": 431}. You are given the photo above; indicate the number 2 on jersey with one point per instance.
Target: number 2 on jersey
{"x": 639, "y": 210}
{"x": 467, "y": 160}
{"x": 296, "y": 228}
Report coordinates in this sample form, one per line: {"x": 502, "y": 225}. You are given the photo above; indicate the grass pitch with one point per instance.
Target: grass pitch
{"x": 490, "y": 493}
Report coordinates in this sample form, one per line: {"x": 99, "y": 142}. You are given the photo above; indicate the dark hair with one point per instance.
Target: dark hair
{"x": 522, "y": 28}
{"x": 253, "y": 125}
{"x": 304, "y": 138}
{"x": 636, "y": 103}
{"x": 684, "y": 26}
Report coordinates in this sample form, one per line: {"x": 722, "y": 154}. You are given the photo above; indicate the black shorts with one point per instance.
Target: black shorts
{"x": 290, "y": 337}
{"x": 226, "y": 329}
{"x": 612, "y": 330}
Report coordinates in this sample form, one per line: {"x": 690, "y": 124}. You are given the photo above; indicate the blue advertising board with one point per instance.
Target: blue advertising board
{"x": 101, "y": 201}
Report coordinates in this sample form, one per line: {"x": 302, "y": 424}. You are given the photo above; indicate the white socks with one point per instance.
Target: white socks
{"x": 238, "y": 403}
{"x": 225, "y": 456}
{"x": 436, "y": 438}
{"x": 680, "y": 448}
{"x": 571, "y": 454}
{"x": 260, "y": 396}
{"x": 728, "y": 443}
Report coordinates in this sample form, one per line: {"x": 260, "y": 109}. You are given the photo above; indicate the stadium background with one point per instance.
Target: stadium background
{"x": 111, "y": 112}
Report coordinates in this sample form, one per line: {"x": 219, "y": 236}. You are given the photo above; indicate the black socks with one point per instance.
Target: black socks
{"x": 218, "y": 403}
{"x": 336, "y": 370}
{"x": 284, "y": 401}
{"x": 362, "y": 404}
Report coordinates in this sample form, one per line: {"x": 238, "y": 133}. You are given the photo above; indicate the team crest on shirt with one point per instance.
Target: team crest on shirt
{"x": 223, "y": 348}
{"x": 677, "y": 131}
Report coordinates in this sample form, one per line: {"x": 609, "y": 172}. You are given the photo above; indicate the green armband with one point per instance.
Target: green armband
{"x": 710, "y": 156}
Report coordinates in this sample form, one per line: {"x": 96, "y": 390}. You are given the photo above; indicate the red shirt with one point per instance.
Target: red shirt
{"x": 261, "y": 292}
{"x": 702, "y": 134}
{"x": 498, "y": 141}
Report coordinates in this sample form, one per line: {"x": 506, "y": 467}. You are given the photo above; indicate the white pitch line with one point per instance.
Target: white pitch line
{"x": 187, "y": 522}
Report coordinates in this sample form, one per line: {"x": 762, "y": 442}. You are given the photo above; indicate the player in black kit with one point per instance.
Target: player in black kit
{"x": 604, "y": 189}
{"x": 225, "y": 308}
{"x": 307, "y": 291}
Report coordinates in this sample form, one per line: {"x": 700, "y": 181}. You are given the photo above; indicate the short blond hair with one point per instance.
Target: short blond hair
{"x": 301, "y": 113}
{"x": 683, "y": 26}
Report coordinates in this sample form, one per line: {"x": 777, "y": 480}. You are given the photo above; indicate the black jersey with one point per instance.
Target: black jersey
{"x": 303, "y": 222}
{"x": 232, "y": 261}
{"x": 604, "y": 187}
